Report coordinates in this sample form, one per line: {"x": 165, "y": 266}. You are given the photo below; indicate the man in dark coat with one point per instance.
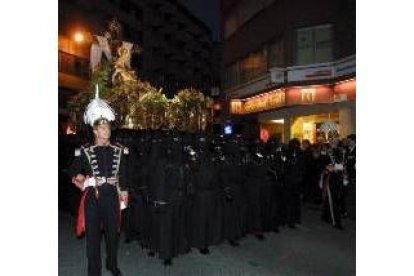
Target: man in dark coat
{"x": 333, "y": 184}
{"x": 293, "y": 177}
{"x": 307, "y": 174}
{"x": 350, "y": 161}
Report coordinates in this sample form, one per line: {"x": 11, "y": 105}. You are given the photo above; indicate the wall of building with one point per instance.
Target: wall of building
{"x": 277, "y": 23}
{"x": 266, "y": 53}
{"x": 177, "y": 47}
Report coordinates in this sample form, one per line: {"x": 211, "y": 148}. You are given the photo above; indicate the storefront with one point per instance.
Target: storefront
{"x": 302, "y": 127}
{"x": 303, "y": 112}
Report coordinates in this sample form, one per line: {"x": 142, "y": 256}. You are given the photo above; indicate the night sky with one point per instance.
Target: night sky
{"x": 208, "y": 11}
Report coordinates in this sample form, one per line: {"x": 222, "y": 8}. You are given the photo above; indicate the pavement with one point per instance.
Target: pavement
{"x": 313, "y": 248}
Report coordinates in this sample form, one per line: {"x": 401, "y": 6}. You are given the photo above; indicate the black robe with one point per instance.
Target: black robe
{"x": 206, "y": 212}
{"x": 234, "y": 203}
{"x": 293, "y": 177}
{"x": 253, "y": 186}
{"x": 169, "y": 212}
{"x": 137, "y": 215}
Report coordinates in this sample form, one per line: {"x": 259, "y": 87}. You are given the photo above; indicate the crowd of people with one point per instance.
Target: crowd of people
{"x": 192, "y": 191}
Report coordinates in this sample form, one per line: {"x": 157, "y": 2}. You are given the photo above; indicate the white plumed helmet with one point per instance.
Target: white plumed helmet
{"x": 98, "y": 109}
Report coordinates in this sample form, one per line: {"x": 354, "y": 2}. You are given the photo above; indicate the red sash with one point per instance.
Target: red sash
{"x": 80, "y": 222}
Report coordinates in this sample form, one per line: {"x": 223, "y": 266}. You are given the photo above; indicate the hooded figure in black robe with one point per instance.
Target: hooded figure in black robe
{"x": 268, "y": 200}
{"x": 293, "y": 177}
{"x": 256, "y": 175}
{"x": 137, "y": 219}
{"x": 234, "y": 211}
{"x": 169, "y": 213}
{"x": 207, "y": 202}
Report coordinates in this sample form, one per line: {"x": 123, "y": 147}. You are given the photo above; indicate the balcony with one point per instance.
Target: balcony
{"x": 73, "y": 72}
{"x": 73, "y": 65}
{"x": 72, "y": 82}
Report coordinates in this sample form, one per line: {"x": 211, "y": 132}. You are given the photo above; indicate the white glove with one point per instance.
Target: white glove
{"x": 123, "y": 199}
{"x": 346, "y": 181}
{"x": 90, "y": 182}
{"x": 339, "y": 167}
{"x": 321, "y": 182}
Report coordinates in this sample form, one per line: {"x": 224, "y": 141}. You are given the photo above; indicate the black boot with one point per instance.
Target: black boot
{"x": 128, "y": 240}
{"x": 167, "y": 262}
{"x": 339, "y": 226}
{"x": 204, "y": 251}
{"x": 234, "y": 243}
{"x": 114, "y": 271}
{"x": 260, "y": 237}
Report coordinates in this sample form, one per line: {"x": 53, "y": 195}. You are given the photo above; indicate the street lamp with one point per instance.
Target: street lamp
{"x": 79, "y": 37}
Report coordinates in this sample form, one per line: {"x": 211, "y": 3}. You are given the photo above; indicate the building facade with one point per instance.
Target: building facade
{"x": 289, "y": 66}
{"x": 178, "y": 51}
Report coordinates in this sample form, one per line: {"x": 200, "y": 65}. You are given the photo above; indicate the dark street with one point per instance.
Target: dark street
{"x": 313, "y": 248}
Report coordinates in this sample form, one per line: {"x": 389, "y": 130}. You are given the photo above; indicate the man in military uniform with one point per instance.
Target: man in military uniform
{"x": 332, "y": 186}
{"x": 99, "y": 171}
{"x": 350, "y": 160}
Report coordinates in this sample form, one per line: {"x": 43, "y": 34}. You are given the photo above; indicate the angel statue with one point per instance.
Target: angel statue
{"x": 115, "y": 50}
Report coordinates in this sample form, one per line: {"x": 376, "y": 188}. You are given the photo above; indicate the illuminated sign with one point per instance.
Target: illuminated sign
{"x": 308, "y": 95}
{"x": 310, "y": 72}
{"x": 295, "y": 95}
{"x": 264, "y": 102}
{"x": 228, "y": 130}
{"x": 236, "y": 107}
